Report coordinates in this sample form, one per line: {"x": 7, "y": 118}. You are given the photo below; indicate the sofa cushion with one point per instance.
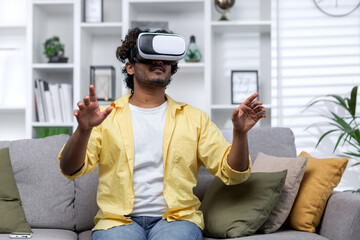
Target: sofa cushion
{"x": 12, "y": 214}
{"x": 276, "y": 141}
{"x": 321, "y": 176}
{"x": 279, "y": 235}
{"x": 296, "y": 168}
{"x": 240, "y": 210}
{"x": 49, "y": 234}
{"x": 85, "y": 205}
{"x": 47, "y": 196}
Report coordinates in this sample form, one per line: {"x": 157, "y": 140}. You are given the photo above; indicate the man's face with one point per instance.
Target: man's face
{"x": 155, "y": 74}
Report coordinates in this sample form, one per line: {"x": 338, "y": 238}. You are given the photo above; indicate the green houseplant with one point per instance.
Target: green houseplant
{"x": 347, "y": 126}
{"x": 54, "y": 50}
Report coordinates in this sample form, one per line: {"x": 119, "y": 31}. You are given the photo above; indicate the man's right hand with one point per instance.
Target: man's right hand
{"x": 89, "y": 115}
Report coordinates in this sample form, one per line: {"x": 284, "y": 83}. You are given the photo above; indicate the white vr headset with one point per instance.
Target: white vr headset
{"x": 159, "y": 46}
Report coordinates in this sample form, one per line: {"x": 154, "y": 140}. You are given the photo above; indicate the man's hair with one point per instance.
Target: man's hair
{"x": 123, "y": 53}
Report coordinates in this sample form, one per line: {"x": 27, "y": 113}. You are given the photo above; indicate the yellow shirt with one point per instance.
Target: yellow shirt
{"x": 190, "y": 140}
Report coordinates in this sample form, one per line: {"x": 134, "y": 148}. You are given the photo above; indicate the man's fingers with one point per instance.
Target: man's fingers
{"x": 76, "y": 113}
{"x": 107, "y": 111}
{"x": 92, "y": 94}
{"x": 255, "y": 104}
{"x": 80, "y": 106}
{"x": 86, "y": 101}
{"x": 260, "y": 109}
{"x": 250, "y": 99}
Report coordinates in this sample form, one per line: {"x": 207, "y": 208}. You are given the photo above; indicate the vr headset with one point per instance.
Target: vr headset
{"x": 169, "y": 48}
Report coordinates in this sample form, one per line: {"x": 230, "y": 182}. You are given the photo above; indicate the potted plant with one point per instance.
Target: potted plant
{"x": 54, "y": 50}
{"x": 347, "y": 127}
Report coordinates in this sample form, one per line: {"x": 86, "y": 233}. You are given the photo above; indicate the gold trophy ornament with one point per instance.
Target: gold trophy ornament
{"x": 223, "y": 6}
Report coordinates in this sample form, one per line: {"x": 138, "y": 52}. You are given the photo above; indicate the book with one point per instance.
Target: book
{"x": 55, "y": 95}
{"x": 39, "y": 105}
{"x": 49, "y": 104}
{"x": 66, "y": 101}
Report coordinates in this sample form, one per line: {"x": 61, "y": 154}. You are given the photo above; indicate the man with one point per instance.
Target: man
{"x": 149, "y": 149}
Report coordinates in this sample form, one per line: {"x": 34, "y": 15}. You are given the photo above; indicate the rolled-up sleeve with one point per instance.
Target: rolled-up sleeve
{"x": 213, "y": 150}
{"x": 92, "y": 155}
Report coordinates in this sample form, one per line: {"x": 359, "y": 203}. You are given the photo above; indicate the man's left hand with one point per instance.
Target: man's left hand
{"x": 248, "y": 114}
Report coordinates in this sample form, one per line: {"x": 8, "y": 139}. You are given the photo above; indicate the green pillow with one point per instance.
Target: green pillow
{"x": 240, "y": 210}
{"x": 12, "y": 214}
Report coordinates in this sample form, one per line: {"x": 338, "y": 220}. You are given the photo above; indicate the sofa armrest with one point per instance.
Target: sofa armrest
{"x": 341, "y": 219}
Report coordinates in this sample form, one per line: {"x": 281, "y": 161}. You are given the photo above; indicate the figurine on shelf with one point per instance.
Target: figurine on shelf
{"x": 54, "y": 50}
{"x": 223, "y": 6}
{"x": 192, "y": 53}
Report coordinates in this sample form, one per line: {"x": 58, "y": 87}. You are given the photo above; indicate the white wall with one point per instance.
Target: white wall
{"x": 313, "y": 54}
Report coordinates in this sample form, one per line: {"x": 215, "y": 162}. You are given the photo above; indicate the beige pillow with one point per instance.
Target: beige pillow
{"x": 295, "y": 168}
{"x": 321, "y": 176}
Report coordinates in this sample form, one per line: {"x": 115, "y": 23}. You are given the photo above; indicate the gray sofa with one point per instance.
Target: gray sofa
{"x": 60, "y": 209}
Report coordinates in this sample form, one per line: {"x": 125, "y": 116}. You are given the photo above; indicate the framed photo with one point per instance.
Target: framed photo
{"x": 151, "y": 25}
{"x": 103, "y": 78}
{"x": 93, "y": 11}
{"x": 243, "y": 84}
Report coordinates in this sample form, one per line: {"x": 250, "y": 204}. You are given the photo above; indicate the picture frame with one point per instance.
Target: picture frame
{"x": 243, "y": 84}
{"x": 93, "y": 11}
{"x": 103, "y": 78}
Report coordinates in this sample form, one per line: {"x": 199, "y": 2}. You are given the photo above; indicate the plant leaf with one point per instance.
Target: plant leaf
{"x": 352, "y": 101}
{"x": 324, "y": 135}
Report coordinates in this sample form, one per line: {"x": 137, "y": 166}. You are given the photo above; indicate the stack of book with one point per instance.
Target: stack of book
{"x": 53, "y": 102}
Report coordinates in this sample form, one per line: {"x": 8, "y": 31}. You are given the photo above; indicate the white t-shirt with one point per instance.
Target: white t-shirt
{"x": 148, "y": 125}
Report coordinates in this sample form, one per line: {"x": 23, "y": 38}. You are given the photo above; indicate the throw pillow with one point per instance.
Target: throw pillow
{"x": 321, "y": 176}
{"x": 295, "y": 170}
{"x": 12, "y": 214}
{"x": 240, "y": 210}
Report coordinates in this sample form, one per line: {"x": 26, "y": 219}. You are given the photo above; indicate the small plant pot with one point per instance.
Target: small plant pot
{"x": 58, "y": 59}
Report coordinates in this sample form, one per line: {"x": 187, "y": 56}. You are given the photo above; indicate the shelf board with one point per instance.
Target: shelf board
{"x": 168, "y": 5}
{"x": 50, "y": 67}
{"x": 12, "y": 109}
{"x": 191, "y": 67}
{"x": 103, "y": 28}
{"x": 231, "y": 106}
{"x": 11, "y": 26}
{"x": 53, "y": 124}
{"x": 241, "y": 26}
{"x": 54, "y": 6}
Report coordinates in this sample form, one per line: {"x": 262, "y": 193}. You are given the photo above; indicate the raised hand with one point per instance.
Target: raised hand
{"x": 89, "y": 115}
{"x": 248, "y": 114}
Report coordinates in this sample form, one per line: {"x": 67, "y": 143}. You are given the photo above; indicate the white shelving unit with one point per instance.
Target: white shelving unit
{"x": 243, "y": 43}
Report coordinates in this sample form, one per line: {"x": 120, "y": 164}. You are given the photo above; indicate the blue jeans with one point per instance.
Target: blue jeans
{"x": 152, "y": 228}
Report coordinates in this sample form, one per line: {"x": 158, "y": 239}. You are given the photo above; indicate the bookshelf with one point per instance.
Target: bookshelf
{"x": 243, "y": 43}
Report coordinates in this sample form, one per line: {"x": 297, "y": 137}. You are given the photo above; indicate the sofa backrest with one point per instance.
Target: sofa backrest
{"x": 47, "y": 197}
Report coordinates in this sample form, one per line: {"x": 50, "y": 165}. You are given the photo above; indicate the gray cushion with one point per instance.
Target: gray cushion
{"x": 276, "y": 141}
{"x": 281, "y": 235}
{"x": 296, "y": 168}
{"x": 47, "y": 196}
{"x": 86, "y": 235}
{"x": 342, "y": 216}
{"x": 85, "y": 201}
{"x": 48, "y": 234}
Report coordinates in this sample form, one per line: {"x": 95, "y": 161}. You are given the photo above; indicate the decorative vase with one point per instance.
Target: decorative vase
{"x": 192, "y": 53}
